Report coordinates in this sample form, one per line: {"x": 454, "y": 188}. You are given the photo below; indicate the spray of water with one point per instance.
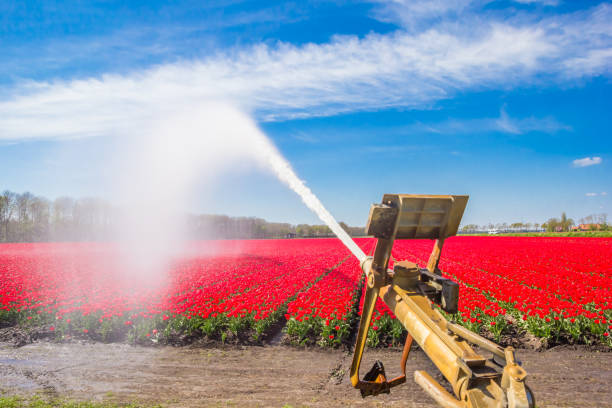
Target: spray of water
{"x": 161, "y": 165}
{"x": 285, "y": 173}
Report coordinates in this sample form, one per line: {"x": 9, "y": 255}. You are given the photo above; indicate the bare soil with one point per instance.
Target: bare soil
{"x": 270, "y": 376}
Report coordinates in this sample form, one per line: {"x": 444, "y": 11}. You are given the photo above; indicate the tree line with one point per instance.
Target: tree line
{"x": 554, "y": 224}
{"x": 29, "y": 218}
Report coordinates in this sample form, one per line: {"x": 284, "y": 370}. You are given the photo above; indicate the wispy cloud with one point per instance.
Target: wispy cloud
{"x": 173, "y": 32}
{"x": 414, "y": 13}
{"x": 591, "y": 194}
{"x": 284, "y": 81}
{"x": 502, "y": 124}
{"x": 544, "y": 2}
{"x": 374, "y": 149}
{"x": 305, "y": 137}
{"x": 587, "y": 161}
{"x": 530, "y": 124}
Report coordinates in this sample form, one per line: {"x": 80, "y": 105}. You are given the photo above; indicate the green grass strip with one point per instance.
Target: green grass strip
{"x": 38, "y": 402}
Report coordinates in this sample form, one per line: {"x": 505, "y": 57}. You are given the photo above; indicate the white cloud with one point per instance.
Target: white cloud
{"x": 586, "y": 65}
{"x": 305, "y": 137}
{"x": 283, "y": 81}
{"x": 507, "y": 124}
{"x": 416, "y": 14}
{"x": 603, "y": 193}
{"x": 413, "y": 13}
{"x": 587, "y": 161}
{"x": 502, "y": 124}
{"x": 544, "y": 2}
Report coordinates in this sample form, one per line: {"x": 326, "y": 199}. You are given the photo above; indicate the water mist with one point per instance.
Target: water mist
{"x": 161, "y": 166}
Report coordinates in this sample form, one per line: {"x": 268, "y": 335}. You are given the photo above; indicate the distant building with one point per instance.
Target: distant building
{"x": 586, "y": 227}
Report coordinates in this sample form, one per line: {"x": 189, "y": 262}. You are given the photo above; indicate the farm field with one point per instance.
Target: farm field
{"x": 517, "y": 290}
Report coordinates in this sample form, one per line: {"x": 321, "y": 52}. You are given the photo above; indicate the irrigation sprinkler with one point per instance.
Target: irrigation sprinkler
{"x": 410, "y": 292}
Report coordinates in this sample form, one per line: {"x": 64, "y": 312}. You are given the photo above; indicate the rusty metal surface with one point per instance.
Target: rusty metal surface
{"x": 426, "y": 215}
{"x": 381, "y": 221}
{"x": 434, "y": 258}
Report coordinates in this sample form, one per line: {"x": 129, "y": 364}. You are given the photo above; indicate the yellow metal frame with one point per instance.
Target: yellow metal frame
{"x": 476, "y": 381}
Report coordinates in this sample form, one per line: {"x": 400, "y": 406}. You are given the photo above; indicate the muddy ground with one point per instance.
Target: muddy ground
{"x": 270, "y": 376}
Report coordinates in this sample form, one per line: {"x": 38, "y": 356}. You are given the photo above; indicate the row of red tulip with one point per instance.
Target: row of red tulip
{"x": 325, "y": 313}
{"x": 64, "y": 285}
{"x": 526, "y": 279}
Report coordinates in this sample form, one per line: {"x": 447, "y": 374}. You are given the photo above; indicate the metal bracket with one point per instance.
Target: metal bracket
{"x": 375, "y": 381}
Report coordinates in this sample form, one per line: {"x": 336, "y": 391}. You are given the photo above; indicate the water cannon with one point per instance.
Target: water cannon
{"x": 412, "y": 293}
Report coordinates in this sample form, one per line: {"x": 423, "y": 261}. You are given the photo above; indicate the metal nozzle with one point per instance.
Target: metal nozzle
{"x": 366, "y": 264}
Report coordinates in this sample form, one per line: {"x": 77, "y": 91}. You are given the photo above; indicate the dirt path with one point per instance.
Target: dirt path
{"x": 266, "y": 376}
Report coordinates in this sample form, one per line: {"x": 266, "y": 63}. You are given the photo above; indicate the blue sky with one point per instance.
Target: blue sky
{"x": 508, "y": 101}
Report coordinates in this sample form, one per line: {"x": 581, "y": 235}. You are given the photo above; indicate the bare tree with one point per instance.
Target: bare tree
{"x": 7, "y": 209}
{"x": 39, "y": 212}
{"x": 62, "y": 218}
{"x": 23, "y": 216}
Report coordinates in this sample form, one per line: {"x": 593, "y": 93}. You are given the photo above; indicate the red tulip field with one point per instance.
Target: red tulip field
{"x": 554, "y": 289}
